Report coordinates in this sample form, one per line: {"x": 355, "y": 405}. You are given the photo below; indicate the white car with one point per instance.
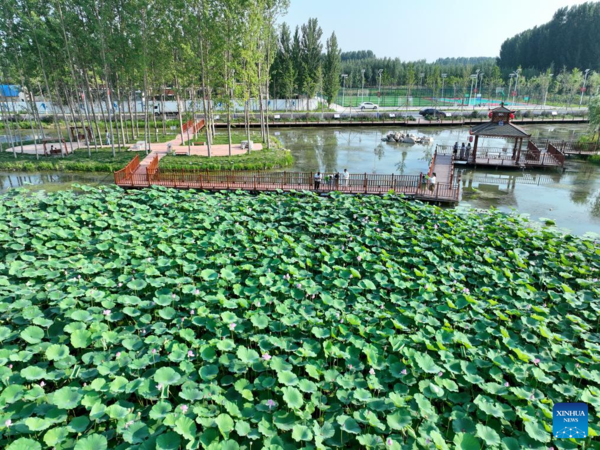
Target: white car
{"x": 368, "y": 105}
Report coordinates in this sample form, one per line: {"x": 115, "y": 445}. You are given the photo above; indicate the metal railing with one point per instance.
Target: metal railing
{"x": 125, "y": 174}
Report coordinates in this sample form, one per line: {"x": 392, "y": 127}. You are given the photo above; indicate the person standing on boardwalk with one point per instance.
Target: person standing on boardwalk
{"x": 346, "y": 177}
{"x": 336, "y": 179}
{"x": 432, "y": 181}
{"x": 455, "y": 149}
{"x": 462, "y": 151}
{"x": 468, "y": 152}
{"x": 317, "y": 180}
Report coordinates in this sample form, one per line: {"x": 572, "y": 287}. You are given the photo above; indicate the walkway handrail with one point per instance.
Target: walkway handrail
{"x": 432, "y": 165}
{"x": 557, "y": 154}
{"x": 126, "y": 173}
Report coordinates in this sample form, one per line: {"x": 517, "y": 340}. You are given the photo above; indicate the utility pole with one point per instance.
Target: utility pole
{"x": 473, "y": 77}
{"x": 480, "y": 87}
{"x": 344, "y": 76}
{"x": 380, "y": 71}
{"x": 476, "y": 81}
{"x": 444, "y": 75}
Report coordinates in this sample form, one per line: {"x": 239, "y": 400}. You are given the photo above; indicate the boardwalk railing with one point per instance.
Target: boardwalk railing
{"x": 193, "y": 125}
{"x": 571, "y": 147}
{"x": 557, "y": 154}
{"x": 497, "y": 156}
{"x": 410, "y": 185}
{"x": 125, "y": 174}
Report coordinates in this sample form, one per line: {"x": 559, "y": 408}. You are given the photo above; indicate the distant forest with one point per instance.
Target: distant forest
{"x": 571, "y": 39}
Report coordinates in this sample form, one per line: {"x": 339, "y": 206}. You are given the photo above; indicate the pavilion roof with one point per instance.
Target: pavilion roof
{"x": 493, "y": 129}
{"x": 502, "y": 109}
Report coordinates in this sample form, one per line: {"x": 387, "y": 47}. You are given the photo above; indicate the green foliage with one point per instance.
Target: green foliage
{"x": 171, "y": 319}
{"x": 256, "y": 160}
{"x": 79, "y": 161}
{"x": 332, "y": 69}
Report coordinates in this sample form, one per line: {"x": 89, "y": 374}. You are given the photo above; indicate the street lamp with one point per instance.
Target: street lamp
{"x": 380, "y": 71}
{"x": 362, "y": 89}
{"x": 587, "y": 71}
{"x": 421, "y": 75}
{"x": 473, "y": 77}
{"x": 547, "y": 88}
{"x": 344, "y": 76}
{"x": 480, "y": 86}
{"x": 476, "y": 81}
{"x": 444, "y": 75}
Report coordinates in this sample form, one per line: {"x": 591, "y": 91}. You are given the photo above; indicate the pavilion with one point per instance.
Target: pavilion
{"x": 500, "y": 126}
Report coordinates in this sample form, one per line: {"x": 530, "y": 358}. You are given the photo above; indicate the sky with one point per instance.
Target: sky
{"x": 424, "y": 29}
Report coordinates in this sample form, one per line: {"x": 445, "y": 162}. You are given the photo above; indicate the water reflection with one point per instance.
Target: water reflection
{"x": 51, "y": 181}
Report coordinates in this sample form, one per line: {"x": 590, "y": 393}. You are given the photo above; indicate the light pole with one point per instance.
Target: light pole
{"x": 481, "y": 86}
{"x": 362, "y": 89}
{"x": 444, "y": 75}
{"x": 380, "y": 71}
{"x": 547, "y": 88}
{"x": 344, "y": 76}
{"x": 421, "y": 75}
{"x": 587, "y": 71}
{"x": 476, "y": 81}
{"x": 473, "y": 77}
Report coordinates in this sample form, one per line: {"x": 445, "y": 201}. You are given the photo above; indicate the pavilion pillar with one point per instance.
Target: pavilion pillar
{"x": 519, "y": 150}
{"x": 515, "y": 148}
{"x": 475, "y": 149}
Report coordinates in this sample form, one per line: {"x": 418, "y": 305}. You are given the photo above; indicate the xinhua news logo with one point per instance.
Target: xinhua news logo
{"x": 570, "y": 420}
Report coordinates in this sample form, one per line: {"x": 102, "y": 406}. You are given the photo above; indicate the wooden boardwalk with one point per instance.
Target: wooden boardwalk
{"x": 532, "y": 158}
{"x": 412, "y": 186}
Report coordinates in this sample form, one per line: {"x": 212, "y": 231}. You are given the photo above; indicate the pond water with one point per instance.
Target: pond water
{"x": 570, "y": 198}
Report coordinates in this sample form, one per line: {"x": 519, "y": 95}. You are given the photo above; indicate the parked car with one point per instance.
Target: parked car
{"x": 368, "y": 105}
{"x": 432, "y": 112}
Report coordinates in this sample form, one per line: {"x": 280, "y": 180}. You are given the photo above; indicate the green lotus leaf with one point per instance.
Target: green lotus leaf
{"x": 67, "y": 398}
{"x": 166, "y": 376}
{"x": 12, "y": 393}
{"x": 57, "y": 352}
{"x": 292, "y": 397}
{"x": 36, "y": 424}
{"x": 168, "y": 441}
{"x": 160, "y": 410}
{"x": 247, "y": 356}
{"x": 32, "y": 335}
{"x": 487, "y": 434}
{"x": 136, "y": 433}
{"x": 209, "y": 372}
{"x": 92, "y": 442}
{"x": 348, "y": 424}
{"x": 24, "y": 444}
{"x": 55, "y": 436}
{"x": 33, "y": 373}
{"x": 301, "y": 433}
{"x": 225, "y": 424}
{"x": 137, "y": 285}
{"x": 399, "y": 420}
{"x": 288, "y": 378}
{"x": 185, "y": 427}
{"x": 81, "y": 339}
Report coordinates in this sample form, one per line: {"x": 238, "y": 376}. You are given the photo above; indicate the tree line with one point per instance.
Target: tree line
{"x": 88, "y": 55}
{"x": 569, "y": 40}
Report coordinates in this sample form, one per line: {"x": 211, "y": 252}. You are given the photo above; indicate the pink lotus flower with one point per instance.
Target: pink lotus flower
{"x": 350, "y": 366}
{"x": 389, "y": 441}
{"x": 174, "y": 296}
{"x": 8, "y": 423}
{"x": 107, "y": 312}
{"x": 404, "y": 372}
{"x": 232, "y": 326}
{"x": 192, "y": 312}
{"x": 190, "y": 354}
{"x": 184, "y": 408}
{"x": 299, "y": 286}
{"x": 197, "y": 292}
{"x": 531, "y": 397}
{"x": 118, "y": 354}
{"x": 506, "y": 384}
{"x": 10, "y": 366}
{"x": 466, "y": 291}
{"x": 440, "y": 374}
{"x": 42, "y": 384}
{"x": 372, "y": 371}
{"x": 159, "y": 386}
{"x": 79, "y": 277}
{"x": 120, "y": 284}
{"x": 536, "y": 361}
{"x": 359, "y": 258}
{"x": 270, "y": 403}
{"x": 266, "y": 357}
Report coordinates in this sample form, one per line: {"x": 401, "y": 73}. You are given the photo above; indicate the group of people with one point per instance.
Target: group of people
{"x": 465, "y": 151}
{"x": 332, "y": 180}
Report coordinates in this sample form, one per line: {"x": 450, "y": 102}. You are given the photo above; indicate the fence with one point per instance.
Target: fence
{"x": 572, "y": 147}
{"x": 126, "y": 173}
{"x": 558, "y": 155}
{"x": 503, "y": 156}
{"x": 287, "y": 181}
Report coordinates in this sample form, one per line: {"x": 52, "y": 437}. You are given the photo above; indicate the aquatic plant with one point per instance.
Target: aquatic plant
{"x": 172, "y": 319}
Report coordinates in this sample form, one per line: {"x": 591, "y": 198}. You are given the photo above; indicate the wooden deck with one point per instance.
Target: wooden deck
{"x": 531, "y": 158}
{"x": 412, "y": 186}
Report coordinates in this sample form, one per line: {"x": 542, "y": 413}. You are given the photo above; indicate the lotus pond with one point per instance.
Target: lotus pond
{"x": 171, "y": 319}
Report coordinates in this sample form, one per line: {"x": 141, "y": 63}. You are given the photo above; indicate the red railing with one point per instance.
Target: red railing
{"x": 193, "y": 126}
{"x": 410, "y": 185}
{"x": 126, "y": 173}
{"x": 557, "y": 154}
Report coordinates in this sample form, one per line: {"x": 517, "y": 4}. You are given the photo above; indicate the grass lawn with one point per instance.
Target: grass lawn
{"x": 79, "y": 161}
{"x": 237, "y": 136}
{"x": 257, "y": 160}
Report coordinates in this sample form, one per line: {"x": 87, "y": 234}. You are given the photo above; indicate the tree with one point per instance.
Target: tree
{"x": 332, "y": 68}
{"x": 311, "y": 49}
{"x": 594, "y": 116}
